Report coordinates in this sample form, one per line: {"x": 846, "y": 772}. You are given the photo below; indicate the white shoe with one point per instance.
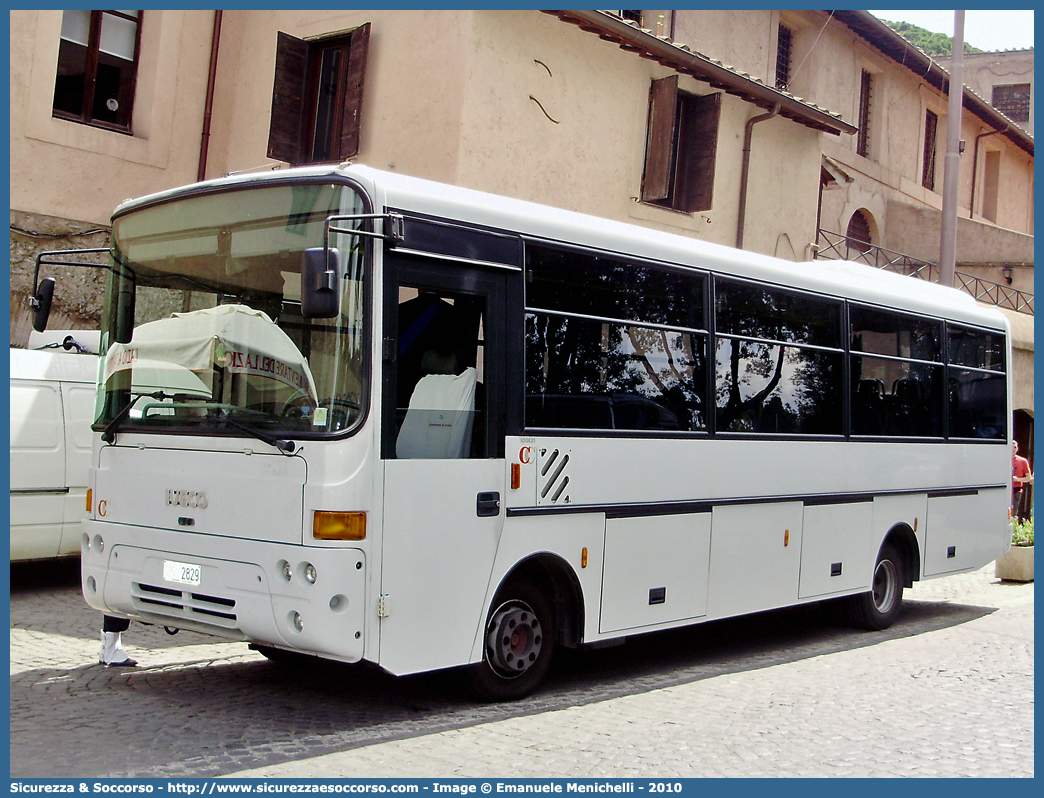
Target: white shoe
{"x": 112, "y": 653}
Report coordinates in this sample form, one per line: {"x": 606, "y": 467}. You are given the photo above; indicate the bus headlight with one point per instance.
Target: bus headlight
{"x": 310, "y": 574}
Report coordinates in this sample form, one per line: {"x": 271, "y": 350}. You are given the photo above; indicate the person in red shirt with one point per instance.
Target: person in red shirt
{"x": 1021, "y": 475}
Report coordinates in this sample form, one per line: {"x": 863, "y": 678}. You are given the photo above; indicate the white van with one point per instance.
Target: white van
{"x": 52, "y": 407}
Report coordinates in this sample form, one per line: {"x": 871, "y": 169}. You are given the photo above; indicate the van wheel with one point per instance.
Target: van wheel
{"x": 519, "y": 641}
{"x": 879, "y": 607}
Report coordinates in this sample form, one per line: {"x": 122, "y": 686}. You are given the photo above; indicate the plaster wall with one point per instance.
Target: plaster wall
{"x": 1022, "y": 354}
{"x": 556, "y": 115}
{"x": 412, "y": 96}
{"x": 915, "y": 231}
{"x": 69, "y": 170}
{"x": 744, "y": 41}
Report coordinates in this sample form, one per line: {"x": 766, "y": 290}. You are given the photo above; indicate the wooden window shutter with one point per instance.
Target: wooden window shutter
{"x": 866, "y": 87}
{"x": 931, "y": 123}
{"x": 350, "y": 119}
{"x": 659, "y": 144}
{"x": 698, "y": 146}
{"x": 286, "y": 132}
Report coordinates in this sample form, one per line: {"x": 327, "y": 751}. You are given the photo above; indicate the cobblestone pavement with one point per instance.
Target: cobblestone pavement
{"x": 948, "y": 691}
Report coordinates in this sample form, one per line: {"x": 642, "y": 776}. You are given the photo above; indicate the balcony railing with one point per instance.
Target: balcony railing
{"x": 834, "y": 246}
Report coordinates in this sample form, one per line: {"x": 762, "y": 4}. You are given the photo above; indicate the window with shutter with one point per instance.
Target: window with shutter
{"x": 317, "y": 97}
{"x": 681, "y": 148}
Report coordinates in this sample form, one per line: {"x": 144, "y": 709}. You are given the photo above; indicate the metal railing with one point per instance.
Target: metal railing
{"x": 834, "y": 246}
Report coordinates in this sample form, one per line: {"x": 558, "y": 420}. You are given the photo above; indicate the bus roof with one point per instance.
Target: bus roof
{"x": 830, "y": 277}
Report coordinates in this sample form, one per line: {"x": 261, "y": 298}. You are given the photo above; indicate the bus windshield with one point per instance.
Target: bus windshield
{"x": 203, "y": 330}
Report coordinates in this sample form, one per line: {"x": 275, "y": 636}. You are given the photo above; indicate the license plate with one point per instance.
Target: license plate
{"x": 182, "y": 572}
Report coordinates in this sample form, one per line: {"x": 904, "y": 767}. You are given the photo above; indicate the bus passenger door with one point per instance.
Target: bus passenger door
{"x": 442, "y": 439}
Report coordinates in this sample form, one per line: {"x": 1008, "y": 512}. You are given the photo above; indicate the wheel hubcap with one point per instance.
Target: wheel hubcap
{"x": 513, "y": 639}
{"x": 886, "y": 586}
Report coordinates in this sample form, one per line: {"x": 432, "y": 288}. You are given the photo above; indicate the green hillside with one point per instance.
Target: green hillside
{"x": 935, "y": 44}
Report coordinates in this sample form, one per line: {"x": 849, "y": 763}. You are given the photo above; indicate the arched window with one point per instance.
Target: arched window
{"x": 859, "y": 232}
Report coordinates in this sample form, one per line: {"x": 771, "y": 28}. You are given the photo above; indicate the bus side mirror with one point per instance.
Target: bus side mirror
{"x": 320, "y": 283}
{"x": 41, "y": 302}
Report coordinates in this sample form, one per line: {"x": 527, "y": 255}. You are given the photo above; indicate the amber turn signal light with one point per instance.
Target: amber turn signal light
{"x": 90, "y": 497}
{"x": 330, "y": 525}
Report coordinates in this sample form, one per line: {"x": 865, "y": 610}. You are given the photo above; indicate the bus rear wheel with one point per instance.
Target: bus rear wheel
{"x": 518, "y": 642}
{"x": 878, "y": 608}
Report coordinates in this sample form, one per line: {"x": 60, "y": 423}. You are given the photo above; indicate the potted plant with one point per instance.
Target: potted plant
{"x": 1017, "y": 564}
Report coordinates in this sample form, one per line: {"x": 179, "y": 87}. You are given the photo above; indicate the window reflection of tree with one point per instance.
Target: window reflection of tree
{"x": 777, "y": 389}
{"x": 762, "y": 386}
{"x": 613, "y": 342}
{"x": 572, "y": 357}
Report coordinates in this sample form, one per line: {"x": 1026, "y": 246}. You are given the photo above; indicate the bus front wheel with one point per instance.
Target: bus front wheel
{"x": 878, "y": 608}
{"x": 518, "y": 642}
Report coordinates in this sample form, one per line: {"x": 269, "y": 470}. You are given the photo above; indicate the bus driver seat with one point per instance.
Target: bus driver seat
{"x": 439, "y": 419}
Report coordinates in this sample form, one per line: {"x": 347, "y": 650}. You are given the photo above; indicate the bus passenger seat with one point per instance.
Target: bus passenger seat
{"x": 439, "y": 419}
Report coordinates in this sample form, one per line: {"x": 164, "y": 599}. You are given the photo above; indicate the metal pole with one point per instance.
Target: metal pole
{"x": 948, "y": 241}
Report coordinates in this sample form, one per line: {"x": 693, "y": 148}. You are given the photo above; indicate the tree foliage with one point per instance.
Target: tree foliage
{"x": 935, "y": 44}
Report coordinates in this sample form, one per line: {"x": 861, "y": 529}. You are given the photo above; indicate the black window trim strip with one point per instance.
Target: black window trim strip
{"x": 977, "y": 370}
{"x": 791, "y": 344}
{"x": 654, "y": 509}
{"x": 482, "y": 264}
{"x": 682, "y": 269}
{"x": 897, "y": 358}
{"x": 622, "y": 322}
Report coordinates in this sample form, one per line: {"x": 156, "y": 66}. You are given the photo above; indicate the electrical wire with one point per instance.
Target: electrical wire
{"x": 33, "y": 234}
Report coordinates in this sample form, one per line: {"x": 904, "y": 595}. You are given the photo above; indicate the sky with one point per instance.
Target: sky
{"x": 987, "y": 30}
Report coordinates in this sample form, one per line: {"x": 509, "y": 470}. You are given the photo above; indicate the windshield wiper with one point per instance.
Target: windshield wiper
{"x": 284, "y": 446}
{"x": 109, "y": 433}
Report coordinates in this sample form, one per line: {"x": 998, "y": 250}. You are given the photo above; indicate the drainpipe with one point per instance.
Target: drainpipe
{"x": 975, "y": 164}
{"x": 745, "y": 169}
{"x": 211, "y": 80}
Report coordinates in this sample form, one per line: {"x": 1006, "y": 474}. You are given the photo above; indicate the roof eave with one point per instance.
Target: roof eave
{"x": 647, "y": 45}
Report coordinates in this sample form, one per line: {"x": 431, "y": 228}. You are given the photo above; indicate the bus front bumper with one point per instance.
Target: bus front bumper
{"x": 308, "y": 599}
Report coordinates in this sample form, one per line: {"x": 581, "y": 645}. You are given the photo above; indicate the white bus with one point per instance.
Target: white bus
{"x": 428, "y": 428}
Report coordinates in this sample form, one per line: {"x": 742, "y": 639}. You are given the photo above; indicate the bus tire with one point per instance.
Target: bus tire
{"x": 283, "y": 657}
{"x": 878, "y": 608}
{"x": 519, "y": 641}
